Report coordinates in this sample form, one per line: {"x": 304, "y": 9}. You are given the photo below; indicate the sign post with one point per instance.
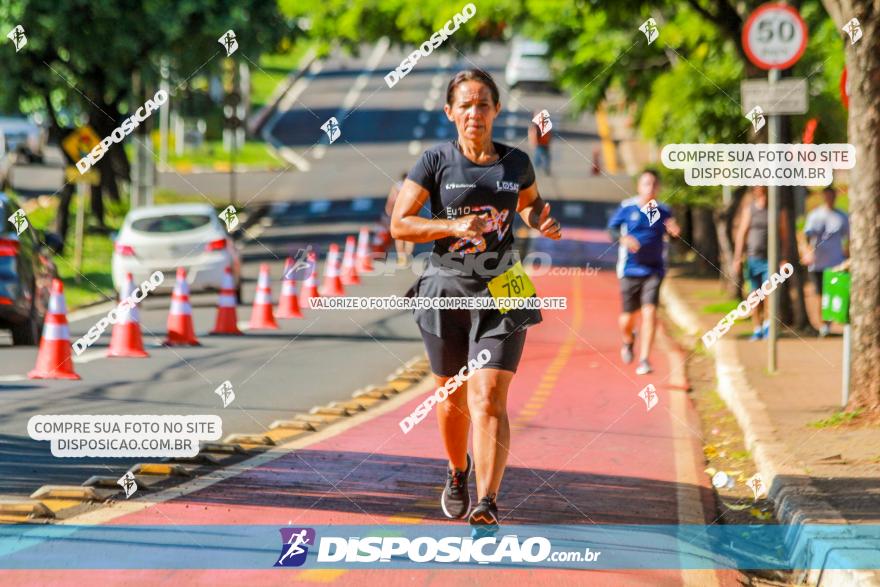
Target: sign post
{"x": 835, "y": 308}
{"x": 774, "y": 38}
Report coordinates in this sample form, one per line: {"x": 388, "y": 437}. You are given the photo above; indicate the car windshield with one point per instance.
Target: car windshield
{"x": 170, "y": 223}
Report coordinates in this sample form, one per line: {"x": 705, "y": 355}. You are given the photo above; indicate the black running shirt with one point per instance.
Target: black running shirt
{"x": 459, "y": 187}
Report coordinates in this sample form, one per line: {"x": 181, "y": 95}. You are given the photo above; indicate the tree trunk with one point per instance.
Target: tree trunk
{"x": 62, "y": 216}
{"x": 863, "y": 72}
{"x": 705, "y": 241}
{"x": 729, "y": 276}
{"x": 792, "y": 303}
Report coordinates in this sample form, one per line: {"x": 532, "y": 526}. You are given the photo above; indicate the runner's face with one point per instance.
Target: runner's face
{"x": 472, "y": 111}
{"x": 647, "y": 186}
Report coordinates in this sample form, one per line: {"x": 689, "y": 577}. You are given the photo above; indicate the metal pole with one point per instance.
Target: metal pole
{"x": 83, "y": 190}
{"x": 233, "y": 139}
{"x": 773, "y": 132}
{"x": 847, "y": 348}
{"x": 163, "y": 116}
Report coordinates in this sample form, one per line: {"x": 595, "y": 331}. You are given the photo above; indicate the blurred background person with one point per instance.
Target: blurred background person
{"x": 403, "y": 248}
{"x": 541, "y": 144}
{"x": 825, "y": 230}
{"x": 751, "y": 235}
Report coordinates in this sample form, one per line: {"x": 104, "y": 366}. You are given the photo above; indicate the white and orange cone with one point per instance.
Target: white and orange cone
{"x": 332, "y": 285}
{"x": 180, "y": 323}
{"x": 364, "y": 260}
{"x": 227, "y": 318}
{"x": 126, "y": 340}
{"x": 261, "y": 315}
{"x": 288, "y": 305}
{"x": 53, "y": 359}
{"x": 349, "y": 273}
{"x": 310, "y": 287}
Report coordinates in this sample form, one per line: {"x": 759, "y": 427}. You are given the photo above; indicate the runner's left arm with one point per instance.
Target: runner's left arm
{"x": 535, "y": 212}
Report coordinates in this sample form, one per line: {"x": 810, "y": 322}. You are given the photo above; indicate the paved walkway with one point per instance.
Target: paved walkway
{"x": 585, "y": 450}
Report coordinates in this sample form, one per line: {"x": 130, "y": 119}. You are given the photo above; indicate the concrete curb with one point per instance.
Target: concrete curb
{"x": 797, "y": 500}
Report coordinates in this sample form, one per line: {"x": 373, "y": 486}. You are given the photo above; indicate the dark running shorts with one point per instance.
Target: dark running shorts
{"x": 452, "y": 352}
{"x": 640, "y": 291}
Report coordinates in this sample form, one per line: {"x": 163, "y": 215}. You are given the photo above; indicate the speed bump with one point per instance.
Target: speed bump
{"x": 398, "y": 384}
{"x": 295, "y": 424}
{"x": 316, "y": 419}
{"x": 330, "y": 411}
{"x": 375, "y": 394}
{"x": 256, "y": 439}
{"x": 25, "y": 509}
{"x": 353, "y": 405}
{"x": 221, "y": 447}
{"x": 68, "y": 492}
{"x": 160, "y": 469}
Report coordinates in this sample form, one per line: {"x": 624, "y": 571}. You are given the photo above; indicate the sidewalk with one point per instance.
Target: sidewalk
{"x": 584, "y": 450}
{"x": 816, "y": 473}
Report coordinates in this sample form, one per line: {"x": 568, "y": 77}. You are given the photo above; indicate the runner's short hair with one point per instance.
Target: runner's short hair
{"x": 650, "y": 171}
{"x": 472, "y": 75}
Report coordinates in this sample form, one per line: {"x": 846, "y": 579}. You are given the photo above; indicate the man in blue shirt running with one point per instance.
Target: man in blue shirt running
{"x": 640, "y": 225}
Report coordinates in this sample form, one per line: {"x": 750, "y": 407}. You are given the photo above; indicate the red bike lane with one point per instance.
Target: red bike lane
{"x": 585, "y": 449}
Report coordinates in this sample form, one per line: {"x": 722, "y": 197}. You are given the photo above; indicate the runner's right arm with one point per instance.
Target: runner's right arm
{"x": 406, "y": 224}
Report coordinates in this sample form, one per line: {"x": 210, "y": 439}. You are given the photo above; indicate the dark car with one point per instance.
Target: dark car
{"x": 26, "y": 273}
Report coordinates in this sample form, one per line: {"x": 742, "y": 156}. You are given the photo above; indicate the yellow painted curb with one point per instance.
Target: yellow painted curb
{"x": 67, "y": 492}
{"x": 295, "y": 424}
{"x": 160, "y": 469}
{"x": 255, "y": 439}
{"x": 24, "y": 508}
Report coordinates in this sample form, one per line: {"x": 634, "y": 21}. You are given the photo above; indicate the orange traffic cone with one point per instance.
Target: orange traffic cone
{"x": 261, "y": 315}
{"x": 310, "y": 287}
{"x": 227, "y": 319}
{"x": 349, "y": 273}
{"x": 332, "y": 283}
{"x": 53, "y": 358}
{"x": 288, "y": 305}
{"x": 364, "y": 261}
{"x": 180, "y": 324}
{"x": 125, "y": 340}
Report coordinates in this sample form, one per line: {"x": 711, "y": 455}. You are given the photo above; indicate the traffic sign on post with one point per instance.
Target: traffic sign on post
{"x": 80, "y": 142}
{"x": 787, "y": 96}
{"x": 774, "y": 36}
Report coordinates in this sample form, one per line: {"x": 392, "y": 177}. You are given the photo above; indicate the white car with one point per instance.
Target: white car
{"x": 163, "y": 238}
{"x": 527, "y": 63}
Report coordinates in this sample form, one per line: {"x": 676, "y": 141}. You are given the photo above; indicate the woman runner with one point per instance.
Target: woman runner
{"x": 475, "y": 186}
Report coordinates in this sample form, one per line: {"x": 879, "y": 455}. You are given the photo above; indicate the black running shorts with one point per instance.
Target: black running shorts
{"x": 452, "y": 352}
{"x": 640, "y": 291}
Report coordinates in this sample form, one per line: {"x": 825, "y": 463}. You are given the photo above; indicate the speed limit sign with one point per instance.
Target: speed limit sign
{"x": 774, "y": 36}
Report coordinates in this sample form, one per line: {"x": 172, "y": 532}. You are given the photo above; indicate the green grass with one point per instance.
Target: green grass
{"x": 93, "y": 282}
{"x": 272, "y": 71}
{"x": 211, "y": 153}
{"x": 836, "y": 419}
{"x": 719, "y": 307}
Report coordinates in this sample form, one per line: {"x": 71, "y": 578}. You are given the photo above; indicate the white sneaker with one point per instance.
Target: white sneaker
{"x": 644, "y": 367}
